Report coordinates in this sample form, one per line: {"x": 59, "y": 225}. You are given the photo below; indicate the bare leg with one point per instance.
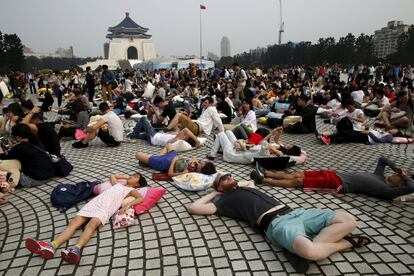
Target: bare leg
{"x": 90, "y": 229}
{"x": 385, "y": 116}
{"x": 143, "y": 157}
{"x": 283, "y": 183}
{"x": 328, "y": 241}
{"x": 174, "y": 122}
{"x": 341, "y": 225}
{"x": 402, "y": 122}
{"x": 91, "y": 135}
{"x": 280, "y": 175}
{"x": 74, "y": 225}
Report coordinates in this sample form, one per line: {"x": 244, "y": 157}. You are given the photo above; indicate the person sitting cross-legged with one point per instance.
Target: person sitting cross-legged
{"x": 372, "y": 184}
{"x": 312, "y": 234}
{"x": 113, "y": 137}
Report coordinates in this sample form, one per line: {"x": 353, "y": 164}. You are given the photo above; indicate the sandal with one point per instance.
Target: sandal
{"x": 357, "y": 241}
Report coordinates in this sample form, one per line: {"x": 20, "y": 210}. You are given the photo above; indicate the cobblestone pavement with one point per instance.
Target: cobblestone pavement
{"x": 169, "y": 241}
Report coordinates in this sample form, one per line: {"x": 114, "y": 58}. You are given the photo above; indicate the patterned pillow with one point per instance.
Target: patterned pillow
{"x": 193, "y": 181}
{"x": 124, "y": 220}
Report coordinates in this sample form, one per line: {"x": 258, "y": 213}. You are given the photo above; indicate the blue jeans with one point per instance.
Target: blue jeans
{"x": 261, "y": 112}
{"x": 28, "y": 182}
{"x": 142, "y": 130}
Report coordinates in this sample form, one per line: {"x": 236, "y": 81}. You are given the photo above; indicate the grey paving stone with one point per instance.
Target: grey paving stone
{"x": 167, "y": 240}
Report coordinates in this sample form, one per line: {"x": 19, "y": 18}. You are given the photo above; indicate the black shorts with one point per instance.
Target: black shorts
{"x": 107, "y": 139}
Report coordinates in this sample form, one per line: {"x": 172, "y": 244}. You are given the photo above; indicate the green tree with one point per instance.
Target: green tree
{"x": 13, "y": 47}
{"x": 364, "y": 49}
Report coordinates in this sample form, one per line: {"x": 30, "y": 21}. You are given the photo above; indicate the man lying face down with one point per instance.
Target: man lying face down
{"x": 312, "y": 234}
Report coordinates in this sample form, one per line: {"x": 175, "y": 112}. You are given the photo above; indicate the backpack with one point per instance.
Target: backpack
{"x": 65, "y": 196}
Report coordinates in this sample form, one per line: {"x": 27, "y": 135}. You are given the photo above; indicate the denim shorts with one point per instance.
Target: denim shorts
{"x": 300, "y": 222}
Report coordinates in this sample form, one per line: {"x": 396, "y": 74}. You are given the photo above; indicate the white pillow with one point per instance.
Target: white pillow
{"x": 202, "y": 140}
{"x": 181, "y": 145}
{"x": 149, "y": 91}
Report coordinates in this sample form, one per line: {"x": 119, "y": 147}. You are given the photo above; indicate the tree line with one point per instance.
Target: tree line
{"x": 12, "y": 58}
{"x": 347, "y": 50}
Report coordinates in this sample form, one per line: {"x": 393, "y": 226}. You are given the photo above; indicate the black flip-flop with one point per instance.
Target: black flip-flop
{"x": 357, "y": 241}
{"x": 301, "y": 265}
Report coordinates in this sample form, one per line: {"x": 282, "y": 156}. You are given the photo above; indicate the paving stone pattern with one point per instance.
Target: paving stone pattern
{"x": 169, "y": 241}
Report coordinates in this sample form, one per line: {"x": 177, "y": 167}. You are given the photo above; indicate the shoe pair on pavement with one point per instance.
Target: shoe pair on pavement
{"x": 47, "y": 252}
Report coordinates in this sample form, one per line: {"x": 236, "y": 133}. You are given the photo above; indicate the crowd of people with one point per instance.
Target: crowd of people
{"x": 246, "y": 113}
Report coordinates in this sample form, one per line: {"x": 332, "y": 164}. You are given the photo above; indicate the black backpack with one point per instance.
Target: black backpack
{"x": 65, "y": 196}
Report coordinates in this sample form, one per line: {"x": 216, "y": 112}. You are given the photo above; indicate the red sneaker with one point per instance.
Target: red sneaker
{"x": 42, "y": 248}
{"x": 326, "y": 140}
{"x": 71, "y": 255}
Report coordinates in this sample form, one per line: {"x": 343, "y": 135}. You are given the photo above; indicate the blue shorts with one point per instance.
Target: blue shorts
{"x": 300, "y": 222}
{"x": 161, "y": 162}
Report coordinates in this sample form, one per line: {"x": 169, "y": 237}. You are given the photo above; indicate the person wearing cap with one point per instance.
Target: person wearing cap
{"x": 312, "y": 234}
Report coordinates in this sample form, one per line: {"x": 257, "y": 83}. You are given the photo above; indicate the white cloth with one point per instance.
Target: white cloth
{"x": 354, "y": 115}
{"x": 208, "y": 119}
{"x": 161, "y": 139}
{"x": 128, "y": 85}
{"x": 358, "y": 96}
{"x": 226, "y": 140}
{"x": 248, "y": 120}
{"x": 115, "y": 126}
{"x": 334, "y": 104}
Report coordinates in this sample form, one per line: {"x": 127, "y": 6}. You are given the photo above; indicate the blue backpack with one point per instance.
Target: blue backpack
{"x": 65, "y": 196}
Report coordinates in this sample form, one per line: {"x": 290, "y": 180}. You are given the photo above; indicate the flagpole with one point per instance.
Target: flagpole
{"x": 201, "y": 42}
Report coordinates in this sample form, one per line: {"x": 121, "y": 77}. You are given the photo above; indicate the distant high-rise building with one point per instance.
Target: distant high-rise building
{"x": 386, "y": 40}
{"x": 225, "y": 47}
{"x": 212, "y": 56}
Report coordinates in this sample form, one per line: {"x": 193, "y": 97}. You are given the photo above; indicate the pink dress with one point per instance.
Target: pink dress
{"x": 106, "y": 204}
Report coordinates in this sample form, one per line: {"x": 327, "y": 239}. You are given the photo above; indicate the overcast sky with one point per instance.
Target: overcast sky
{"x": 45, "y": 25}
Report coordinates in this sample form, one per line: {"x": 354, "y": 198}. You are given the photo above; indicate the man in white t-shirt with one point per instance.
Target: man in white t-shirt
{"x": 111, "y": 137}
{"x": 208, "y": 119}
{"x": 143, "y": 130}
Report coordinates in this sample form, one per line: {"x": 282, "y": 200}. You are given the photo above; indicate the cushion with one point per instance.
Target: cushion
{"x": 262, "y": 120}
{"x": 152, "y": 196}
{"x": 193, "y": 181}
{"x": 181, "y": 145}
{"x": 255, "y": 138}
{"x": 274, "y": 115}
{"x": 124, "y": 220}
{"x": 149, "y": 91}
